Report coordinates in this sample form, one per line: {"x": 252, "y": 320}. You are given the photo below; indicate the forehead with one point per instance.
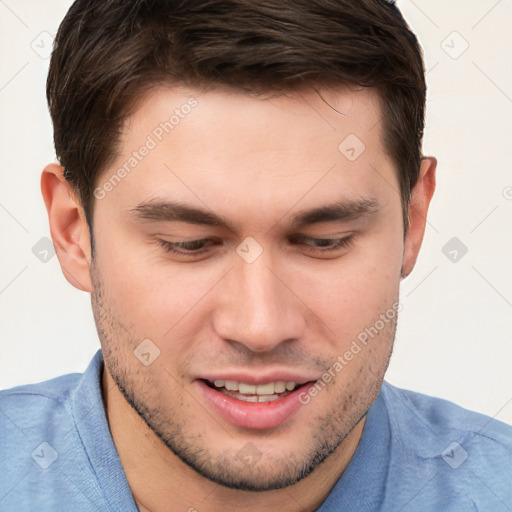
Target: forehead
{"x": 207, "y": 146}
{"x": 213, "y": 112}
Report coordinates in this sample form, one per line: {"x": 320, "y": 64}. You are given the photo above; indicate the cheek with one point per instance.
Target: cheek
{"x": 152, "y": 298}
{"x": 349, "y": 294}
{"x": 128, "y": 280}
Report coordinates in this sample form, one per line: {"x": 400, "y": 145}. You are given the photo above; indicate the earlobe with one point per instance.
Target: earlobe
{"x": 418, "y": 208}
{"x": 68, "y": 227}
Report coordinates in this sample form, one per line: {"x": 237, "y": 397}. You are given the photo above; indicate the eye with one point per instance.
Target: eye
{"x": 322, "y": 245}
{"x": 188, "y": 247}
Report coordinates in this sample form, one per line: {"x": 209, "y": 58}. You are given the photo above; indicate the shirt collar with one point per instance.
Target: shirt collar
{"x": 362, "y": 485}
{"x": 91, "y": 423}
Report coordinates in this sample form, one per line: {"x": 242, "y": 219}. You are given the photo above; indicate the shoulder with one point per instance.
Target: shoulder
{"x": 32, "y": 414}
{"x": 52, "y": 389}
{"x": 29, "y": 405}
{"x": 440, "y": 416}
{"x": 40, "y": 449}
{"x": 449, "y": 455}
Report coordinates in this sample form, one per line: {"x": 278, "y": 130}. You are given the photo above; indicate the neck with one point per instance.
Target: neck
{"x": 157, "y": 477}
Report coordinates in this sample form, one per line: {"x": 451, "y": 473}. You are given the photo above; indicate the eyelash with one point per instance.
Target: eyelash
{"x": 331, "y": 244}
{"x": 324, "y": 245}
{"x": 174, "y": 247}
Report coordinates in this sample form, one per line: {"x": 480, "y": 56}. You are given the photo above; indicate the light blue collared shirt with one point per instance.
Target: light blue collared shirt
{"x": 417, "y": 453}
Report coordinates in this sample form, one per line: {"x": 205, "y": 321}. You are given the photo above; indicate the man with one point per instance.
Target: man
{"x": 241, "y": 189}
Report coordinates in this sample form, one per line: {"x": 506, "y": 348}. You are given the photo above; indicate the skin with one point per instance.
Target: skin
{"x": 257, "y": 162}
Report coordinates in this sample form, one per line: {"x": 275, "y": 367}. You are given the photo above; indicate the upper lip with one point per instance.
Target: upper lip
{"x": 259, "y": 378}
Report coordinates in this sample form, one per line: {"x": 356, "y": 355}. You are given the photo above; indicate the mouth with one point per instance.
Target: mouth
{"x": 254, "y": 406}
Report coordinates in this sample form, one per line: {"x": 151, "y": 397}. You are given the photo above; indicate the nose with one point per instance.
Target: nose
{"x": 257, "y": 307}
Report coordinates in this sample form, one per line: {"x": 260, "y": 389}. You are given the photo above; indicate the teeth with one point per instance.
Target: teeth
{"x": 279, "y": 387}
{"x": 231, "y": 385}
{"x": 268, "y": 398}
{"x": 255, "y": 398}
{"x": 263, "y": 390}
{"x": 290, "y": 386}
{"x": 246, "y": 389}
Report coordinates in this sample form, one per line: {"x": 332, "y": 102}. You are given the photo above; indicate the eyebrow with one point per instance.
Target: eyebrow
{"x": 344, "y": 210}
{"x": 170, "y": 211}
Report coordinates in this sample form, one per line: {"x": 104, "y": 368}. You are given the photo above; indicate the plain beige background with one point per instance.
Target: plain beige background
{"x": 455, "y": 331}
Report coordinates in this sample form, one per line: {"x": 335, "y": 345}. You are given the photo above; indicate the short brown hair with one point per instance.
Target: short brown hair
{"x": 108, "y": 52}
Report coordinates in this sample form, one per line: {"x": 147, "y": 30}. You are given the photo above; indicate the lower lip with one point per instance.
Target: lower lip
{"x": 256, "y": 415}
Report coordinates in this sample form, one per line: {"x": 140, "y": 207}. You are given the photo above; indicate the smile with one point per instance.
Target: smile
{"x": 254, "y": 406}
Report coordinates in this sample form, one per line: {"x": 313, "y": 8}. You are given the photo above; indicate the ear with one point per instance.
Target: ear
{"x": 418, "y": 208}
{"x": 68, "y": 227}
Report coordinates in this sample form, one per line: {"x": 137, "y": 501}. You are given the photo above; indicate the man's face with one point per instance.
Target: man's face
{"x": 290, "y": 257}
